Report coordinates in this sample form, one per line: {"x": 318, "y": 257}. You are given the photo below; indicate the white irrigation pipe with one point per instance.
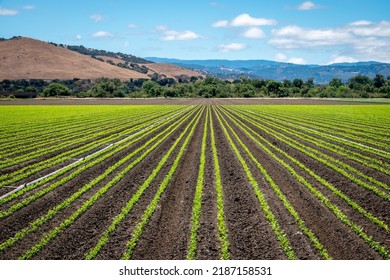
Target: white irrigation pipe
{"x": 16, "y": 189}
{"x": 336, "y": 137}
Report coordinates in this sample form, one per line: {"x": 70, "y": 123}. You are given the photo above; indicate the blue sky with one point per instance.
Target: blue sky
{"x": 306, "y": 32}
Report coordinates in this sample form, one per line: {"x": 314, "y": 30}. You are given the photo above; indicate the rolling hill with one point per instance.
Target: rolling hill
{"x": 26, "y": 58}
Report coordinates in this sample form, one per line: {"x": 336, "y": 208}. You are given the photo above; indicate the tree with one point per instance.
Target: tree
{"x": 31, "y": 89}
{"x": 193, "y": 79}
{"x": 298, "y": 83}
{"x": 56, "y": 89}
{"x": 105, "y": 87}
{"x": 335, "y": 82}
{"x": 379, "y": 81}
{"x": 151, "y": 88}
{"x": 274, "y": 87}
{"x": 287, "y": 83}
{"x": 309, "y": 83}
{"x": 359, "y": 82}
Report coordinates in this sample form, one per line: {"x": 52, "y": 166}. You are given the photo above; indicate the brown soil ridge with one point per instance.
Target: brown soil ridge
{"x": 26, "y": 58}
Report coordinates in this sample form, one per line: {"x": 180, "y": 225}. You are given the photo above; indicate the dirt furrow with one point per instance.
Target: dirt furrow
{"x": 250, "y": 234}
{"x": 208, "y": 242}
{"x": 167, "y": 234}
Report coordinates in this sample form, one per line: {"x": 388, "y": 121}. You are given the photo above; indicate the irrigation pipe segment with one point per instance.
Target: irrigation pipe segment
{"x": 16, "y": 189}
{"x": 340, "y": 138}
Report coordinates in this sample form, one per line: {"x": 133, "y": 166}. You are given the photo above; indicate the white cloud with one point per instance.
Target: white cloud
{"x": 79, "y": 37}
{"x": 366, "y": 28}
{"x": 221, "y": 23}
{"x": 339, "y": 59}
{"x": 244, "y": 20}
{"x": 29, "y": 7}
{"x": 126, "y": 44}
{"x": 308, "y": 5}
{"x": 172, "y": 35}
{"x": 313, "y": 35}
{"x": 297, "y": 60}
{"x": 293, "y": 36}
{"x": 280, "y": 57}
{"x": 361, "y": 39}
{"x": 6, "y": 12}
{"x": 96, "y": 17}
{"x": 231, "y": 47}
{"x": 360, "y": 23}
{"x": 131, "y": 25}
{"x": 253, "y": 33}
{"x": 247, "y": 20}
{"x": 102, "y": 34}
{"x": 283, "y": 58}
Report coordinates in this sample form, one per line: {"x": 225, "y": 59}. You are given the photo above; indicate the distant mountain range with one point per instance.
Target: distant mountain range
{"x": 266, "y": 69}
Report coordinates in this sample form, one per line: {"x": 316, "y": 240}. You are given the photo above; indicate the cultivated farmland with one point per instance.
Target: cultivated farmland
{"x": 198, "y": 180}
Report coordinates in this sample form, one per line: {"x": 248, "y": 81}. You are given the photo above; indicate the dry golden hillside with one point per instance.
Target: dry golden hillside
{"x": 25, "y": 58}
{"x": 170, "y": 70}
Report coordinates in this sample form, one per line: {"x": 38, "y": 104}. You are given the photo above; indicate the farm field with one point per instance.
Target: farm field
{"x": 197, "y": 179}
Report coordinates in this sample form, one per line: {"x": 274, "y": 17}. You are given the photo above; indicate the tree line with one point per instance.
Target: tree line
{"x": 359, "y": 86}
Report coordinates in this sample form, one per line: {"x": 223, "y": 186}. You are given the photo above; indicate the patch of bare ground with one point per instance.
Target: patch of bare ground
{"x": 175, "y": 101}
{"x": 208, "y": 241}
{"x": 278, "y": 101}
{"x": 106, "y": 101}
